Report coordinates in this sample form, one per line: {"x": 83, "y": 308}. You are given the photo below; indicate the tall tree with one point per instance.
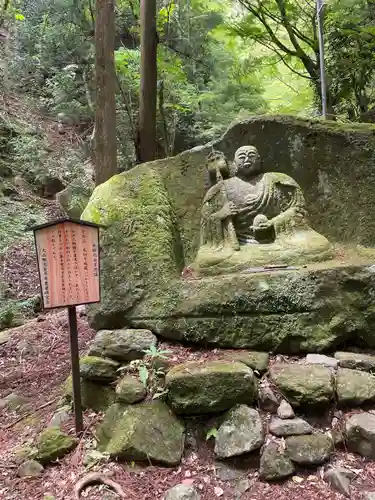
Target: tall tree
{"x": 105, "y": 115}
{"x": 289, "y": 30}
{"x": 148, "y": 84}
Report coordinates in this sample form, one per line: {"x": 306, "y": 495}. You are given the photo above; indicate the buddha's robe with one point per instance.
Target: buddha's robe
{"x": 231, "y": 238}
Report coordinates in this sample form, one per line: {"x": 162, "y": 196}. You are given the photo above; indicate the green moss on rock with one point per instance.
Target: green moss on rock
{"x": 255, "y": 360}
{"x": 53, "y": 444}
{"x": 99, "y": 369}
{"x": 209, "y": 387}
{"x": 309, "y": 450}
{"x": 140, "y": 249}
{"x": 354, "y": 387}
{"x": 95, "y": 396}
{"x": 153, "y": 218}
{"x": 147, "y": 431}
{"x": 303, "y": 385}
{"x": 130, "y": 390}
{"x": 274, "y": 462}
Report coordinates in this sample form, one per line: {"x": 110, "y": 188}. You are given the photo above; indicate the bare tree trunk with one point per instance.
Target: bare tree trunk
{"x": 148, "y": 91}
{"x": 105, "y": 116}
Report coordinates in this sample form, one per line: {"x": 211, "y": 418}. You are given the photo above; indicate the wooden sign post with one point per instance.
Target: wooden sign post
{"x": 69, "y": 272}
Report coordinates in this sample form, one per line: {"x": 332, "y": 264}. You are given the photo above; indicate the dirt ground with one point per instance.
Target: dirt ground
{"x": 36, "y": 361}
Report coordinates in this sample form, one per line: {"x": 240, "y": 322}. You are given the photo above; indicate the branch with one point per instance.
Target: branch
{"x": 259, "y": 15}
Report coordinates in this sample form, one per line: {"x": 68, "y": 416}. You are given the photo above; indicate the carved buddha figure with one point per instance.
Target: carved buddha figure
{"x": 251, "y": 218}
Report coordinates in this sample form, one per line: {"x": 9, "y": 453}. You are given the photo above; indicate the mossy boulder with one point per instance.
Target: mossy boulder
{"x": 209, "y": 387}
{"x": 274, "y": 462}
{"x": 130, "y": 390}
{"x": 143, "y": 432}
{"x": 122, "y": 345}
{"x": 304, "y": 385}
{"x": 53, "y": 444}
{"x": 95, "y": 396}
{"x": 153, "y": 218}
{"x": 99, "y": 369}
{"x": 309, "y": 450}
{"x": 140, "y": 247}
{"x": 354, "y": 387}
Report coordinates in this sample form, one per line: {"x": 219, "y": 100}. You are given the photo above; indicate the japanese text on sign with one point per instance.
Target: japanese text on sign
{"x": 68, "y": 258}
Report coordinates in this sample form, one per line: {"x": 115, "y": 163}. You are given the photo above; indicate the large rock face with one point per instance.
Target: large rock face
{"x": 153, "y": 214}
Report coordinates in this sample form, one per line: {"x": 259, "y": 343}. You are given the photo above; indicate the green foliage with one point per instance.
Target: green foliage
{"x": 211, "y": 433}
{"x": 351, "y": 55}
{"x": 150, "y": 373}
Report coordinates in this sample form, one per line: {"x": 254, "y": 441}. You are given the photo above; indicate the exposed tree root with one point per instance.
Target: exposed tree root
{"x": 97, "y": 478}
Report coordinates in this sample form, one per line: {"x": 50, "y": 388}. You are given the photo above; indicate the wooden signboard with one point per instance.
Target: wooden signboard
{"x": 69, "y": 271}
{"x": 68, "y": 262}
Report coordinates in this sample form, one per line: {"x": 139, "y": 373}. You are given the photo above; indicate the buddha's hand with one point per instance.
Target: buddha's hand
{"x": 227, "y": 210}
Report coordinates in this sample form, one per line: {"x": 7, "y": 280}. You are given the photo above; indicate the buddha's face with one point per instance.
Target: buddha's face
{"x": 247, "y": 161}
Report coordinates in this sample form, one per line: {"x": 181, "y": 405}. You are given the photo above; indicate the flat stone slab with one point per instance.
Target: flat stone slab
{"x": 307, "y": 310}
{"x": 356, "y": 361}
{"x": 122, "y": 345}
{"x": 303, "y": 384}
{"x": 354, "y": 387}
{"x": 321, "y": 359}
{"x": 314, "y": 449}
{"x": 275, "y": 463}
{"x": 360, "y": 434}
{"x": 289, "y": 427}
{"x": 209, "y": 387}
{"x": 241, "y": 432}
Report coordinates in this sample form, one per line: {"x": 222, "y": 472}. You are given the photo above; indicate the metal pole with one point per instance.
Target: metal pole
{"x": 323, "y": 83}
{"x": 76, "y": 378}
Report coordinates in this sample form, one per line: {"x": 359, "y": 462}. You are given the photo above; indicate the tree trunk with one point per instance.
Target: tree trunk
{"x": 105, "y": 115}
{"x": 148, "y": 91}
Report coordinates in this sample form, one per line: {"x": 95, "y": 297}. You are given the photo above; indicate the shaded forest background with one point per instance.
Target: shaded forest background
{"x": 217, "y": 62}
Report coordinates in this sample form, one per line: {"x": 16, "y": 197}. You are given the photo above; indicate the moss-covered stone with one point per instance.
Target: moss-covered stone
{"x": 153, "y": 214}
{"x": 209, "y": 387}
{"x": 95, "y": 396}
{"x": 73, "y": 200}
{"x": 140, "y": 248}
{"x": 356, "y": 361}
{"x": 130, "y": 390}
{"x": 147, "y": 431}
{"x": 122, "y": 345}
{"x": 53, "y": 444}
{"x": 274, "y": 462}
{"x": 255, "y": 360}
{"x": 99, "y": 369}
{"x": 303, "y": 384}
{"x": 354, "y": 387}
{"x": 309, "y": 450}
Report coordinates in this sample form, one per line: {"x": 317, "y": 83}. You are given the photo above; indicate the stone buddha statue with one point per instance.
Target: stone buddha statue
{"x": 253, "y": 218}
